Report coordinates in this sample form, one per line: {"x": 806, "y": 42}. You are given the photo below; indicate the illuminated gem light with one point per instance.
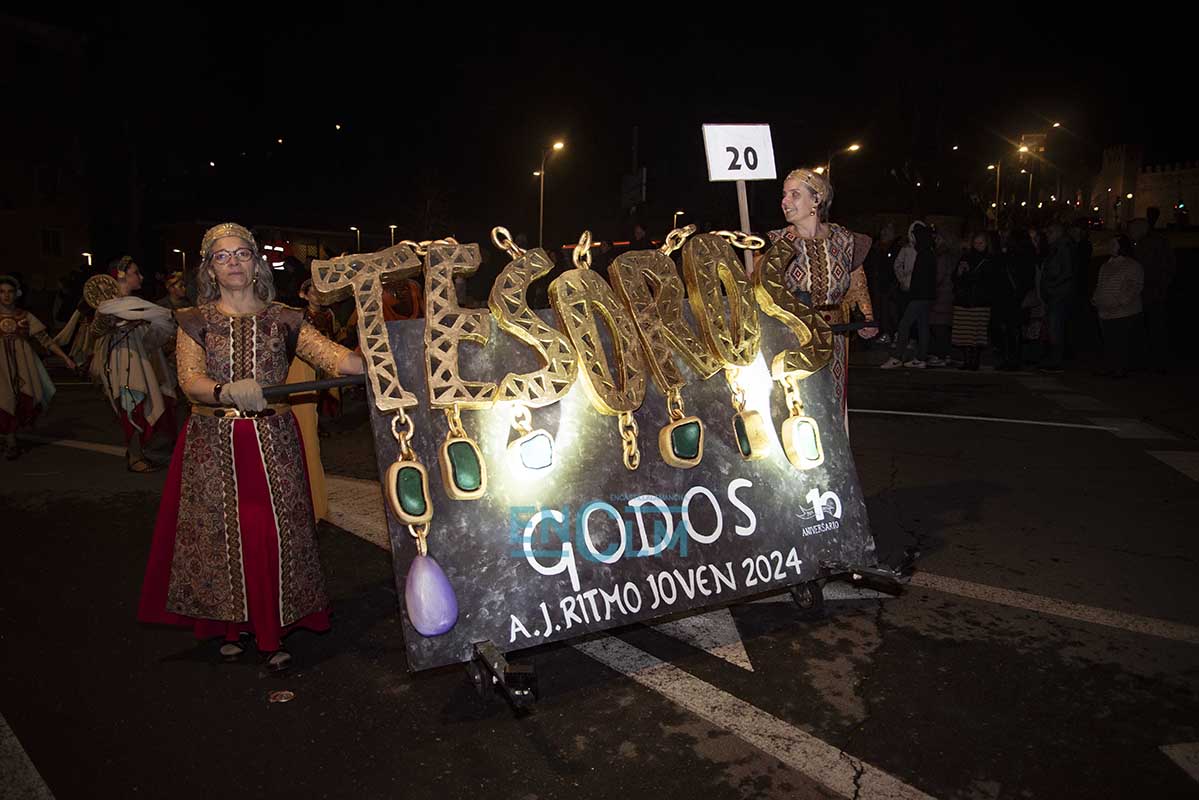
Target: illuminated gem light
{"x": 537, "y": 451}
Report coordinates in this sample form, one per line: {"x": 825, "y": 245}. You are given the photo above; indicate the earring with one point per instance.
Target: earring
{"x": 812, "y": 213}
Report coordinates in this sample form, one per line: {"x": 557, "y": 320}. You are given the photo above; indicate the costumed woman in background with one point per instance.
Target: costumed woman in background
{"x": 130, "y": 365}
{"x": 826, "y": 273}
{"x": 25, "y": 387}
{"x": 76, "y": 337}
{"x": 234, "y": 550}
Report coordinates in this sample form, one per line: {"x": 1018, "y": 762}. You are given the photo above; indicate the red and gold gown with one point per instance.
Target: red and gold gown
{"x": 234, "y": 546}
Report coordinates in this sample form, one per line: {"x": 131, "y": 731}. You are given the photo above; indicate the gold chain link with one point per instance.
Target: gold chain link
{"x": 453, "y": 416}
{"x": 628, "y": 434}
{"x": 745, "y": 241}
{"x": 582, "y": 252}
{"x": 421, "y": 248}
{"x": 522, "y": 420}
{"x": 794, "y": 400}
{"x": 404, "y": 439}
{"x": 675, "y": 239}
{"x": 732, "y": 375}
{"x": 420, "y": 533}
{"x": 502, "y": 239}
{"x": 674, "y": 404}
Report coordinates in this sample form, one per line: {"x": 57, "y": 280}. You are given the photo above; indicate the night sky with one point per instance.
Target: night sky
{"x": 444, "y": 115}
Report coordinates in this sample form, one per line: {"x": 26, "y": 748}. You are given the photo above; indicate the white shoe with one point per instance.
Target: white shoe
{"x": 891, "y": 363}
{"x": 915, "y": 363}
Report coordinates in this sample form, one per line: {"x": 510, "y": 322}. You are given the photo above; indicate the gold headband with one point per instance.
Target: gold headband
{"x": 819, "y": 184}
{"x": 222, "y": 230}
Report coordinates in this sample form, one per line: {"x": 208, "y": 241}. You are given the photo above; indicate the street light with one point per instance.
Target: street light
{"x": 1029, "y": 173}
{"x": 88, "y": 256}
{"x": 358, "y": 236}
{"x": 541, "y": 200}
{"x": 180, "y": 252}
{"x": 393, "y": 234}
{"x": 674, "y": 221}
{"x": 828, "y": 169}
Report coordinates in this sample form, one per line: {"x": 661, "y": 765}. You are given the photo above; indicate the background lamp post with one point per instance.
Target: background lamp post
{"x": 828, "y": 166}
{"x": 541, "y": 202}
{"x": 357, "y": 236}
{"x": 392, "y": 228}
{"x": 88, "y": 256}
{"x": 674, "y": 220}
{"x": 184, "y": 256}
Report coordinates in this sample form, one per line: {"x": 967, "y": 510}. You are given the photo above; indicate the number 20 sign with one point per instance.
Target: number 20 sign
{"x": 739, "y": 152}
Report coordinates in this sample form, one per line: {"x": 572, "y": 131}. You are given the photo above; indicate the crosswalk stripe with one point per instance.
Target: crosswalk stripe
{"x": 822, "y": 762}
{"x": 1148, "y": 626}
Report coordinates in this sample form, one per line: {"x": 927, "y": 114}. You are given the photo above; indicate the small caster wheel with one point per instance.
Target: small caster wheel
{"x": 809, "y": 597}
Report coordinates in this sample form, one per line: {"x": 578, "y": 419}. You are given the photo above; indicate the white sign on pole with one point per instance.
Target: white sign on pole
{"x": 739, "y": 152}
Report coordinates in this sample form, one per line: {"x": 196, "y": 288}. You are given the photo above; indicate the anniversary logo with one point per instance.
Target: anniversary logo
{"x": 547, "y": 521}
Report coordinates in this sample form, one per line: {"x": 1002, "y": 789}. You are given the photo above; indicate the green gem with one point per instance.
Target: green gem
{"x": 464, "y": 461}
{"x": 684, "y": 441}
{"x": 410, "y": 486}
{"x": 742, "y": 437}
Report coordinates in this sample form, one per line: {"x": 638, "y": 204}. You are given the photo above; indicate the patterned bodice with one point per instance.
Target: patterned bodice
{"x": 259, "y": 346}
{"x": 821, "y": 267}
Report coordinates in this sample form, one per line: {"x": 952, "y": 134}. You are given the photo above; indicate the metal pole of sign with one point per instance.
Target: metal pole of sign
{"x": 743, "y": 206}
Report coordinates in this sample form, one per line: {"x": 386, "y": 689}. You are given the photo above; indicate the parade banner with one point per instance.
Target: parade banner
{"x": 544, "y": 479}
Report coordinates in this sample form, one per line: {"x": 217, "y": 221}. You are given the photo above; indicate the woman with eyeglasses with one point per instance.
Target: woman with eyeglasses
{"x": 234, "y": 551}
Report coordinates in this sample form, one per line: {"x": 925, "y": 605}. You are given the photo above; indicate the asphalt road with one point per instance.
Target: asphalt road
{"x": 1045, "y": 648}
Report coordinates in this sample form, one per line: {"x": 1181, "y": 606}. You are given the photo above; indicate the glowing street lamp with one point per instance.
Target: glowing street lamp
{"x": 541, "y": 202}
{"x": 184, "y": 256}
{"x": 88, "y": 256}
{"x": 392, "y": 228}
{"x": 358, "y": 236}
{"x": 828, "y": 169}
{"x": 674, "y": 221}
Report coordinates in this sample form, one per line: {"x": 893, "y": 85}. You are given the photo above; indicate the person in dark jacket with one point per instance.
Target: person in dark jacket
{"x": 884, "y": 288}
{"x": 921, "y": 292}
{"x": 972, "y": 301}
{"x": 1011, "y": 279}
{"x": 1056, "y": 288}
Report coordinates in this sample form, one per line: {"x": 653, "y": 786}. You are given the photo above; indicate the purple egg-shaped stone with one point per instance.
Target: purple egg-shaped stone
{"x": 432, "y": 606}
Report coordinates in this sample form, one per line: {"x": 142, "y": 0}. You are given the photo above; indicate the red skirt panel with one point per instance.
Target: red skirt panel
{"x": 260, "y": 552}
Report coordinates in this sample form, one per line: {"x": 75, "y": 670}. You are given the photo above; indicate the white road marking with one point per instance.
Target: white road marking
{"x": 1185, "y": 461}
{"x": 978, "y": 419}
{"x": 357, "y": 506}
{"x": 1132, "y": 428}
{"x": 107, "y": 449}
{"x": 715, "y": 632}
{"x": 21, "y": 778}
{"x": 1185, "y": 755}
{"x": 1148, "y": 626}
{"x": 802, "y": 752}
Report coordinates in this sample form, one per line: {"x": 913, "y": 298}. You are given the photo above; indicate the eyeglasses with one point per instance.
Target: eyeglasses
{"x": 223, "y": 257}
